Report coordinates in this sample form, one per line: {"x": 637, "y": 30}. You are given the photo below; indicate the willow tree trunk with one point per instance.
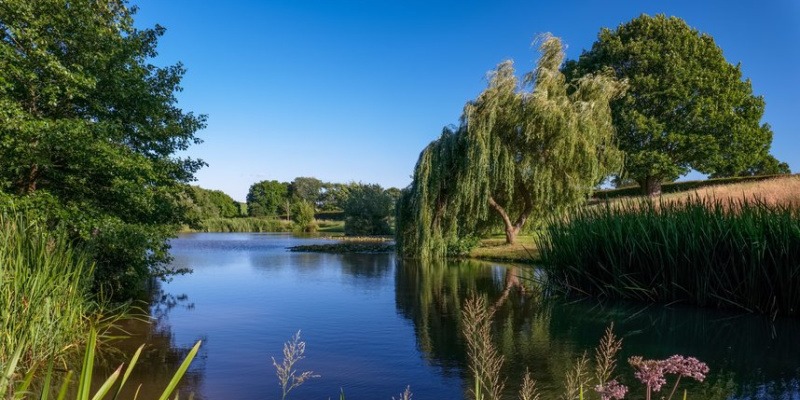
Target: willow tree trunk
{"x": 512, "y": 228}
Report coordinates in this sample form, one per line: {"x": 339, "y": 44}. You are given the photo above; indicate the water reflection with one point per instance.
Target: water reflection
{"x": 161, "y": 356}
{"x": 751, "y": 356}
{"x": 374, "y": 325}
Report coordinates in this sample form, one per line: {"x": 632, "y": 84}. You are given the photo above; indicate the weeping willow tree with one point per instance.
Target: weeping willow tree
{"x": 523, "y": 150}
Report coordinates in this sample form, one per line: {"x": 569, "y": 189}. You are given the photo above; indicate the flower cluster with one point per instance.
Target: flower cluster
{"x": 649, "y": 372}
{"x": 689, "y": 367}
{"x": 612, "y": 390}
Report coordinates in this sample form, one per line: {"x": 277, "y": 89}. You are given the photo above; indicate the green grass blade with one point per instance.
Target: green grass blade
{"x": 85, "y": 380}
{"x": 22, "y": 389}
{"x": 47, "y": 381}
{"x": 106, "y": 386}
{"x": 12, "y": 366}
{"x": 62, "y": 392}
{"x": 180, "y": 372}
{"x": 128, "y": 370}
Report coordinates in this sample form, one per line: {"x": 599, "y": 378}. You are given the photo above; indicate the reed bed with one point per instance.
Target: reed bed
{"x": 734, "y": 253}
{"x": 249, "y": 224}
{"x": 44, "y": 293}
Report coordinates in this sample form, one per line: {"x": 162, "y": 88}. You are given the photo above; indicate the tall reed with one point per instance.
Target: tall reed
{"x": 44, "y": 292}
{"x": 736, "y": 254}
{"x": 248, "y": 224}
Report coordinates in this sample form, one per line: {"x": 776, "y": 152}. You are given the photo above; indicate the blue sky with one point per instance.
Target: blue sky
{"x": 354, "y": 90}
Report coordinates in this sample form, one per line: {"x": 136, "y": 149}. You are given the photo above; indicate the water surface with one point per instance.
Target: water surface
{"x": 374, "y": 325}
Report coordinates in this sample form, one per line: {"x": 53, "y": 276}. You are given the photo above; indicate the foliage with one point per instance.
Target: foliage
{"x": 741, "y": 254}
{"x": 686, "y": 107}
{"x": 461, "y": 247}
{"x": 522, "y": 154}
{"x": 248, "y": 224}
{"x": 303, "y": 216}
{"x": 207, "y": 204}
{"x": 21, "y": 390}
{"x": 306, "y": 188}
{"x": 267, "y": 198}
{"x": 333, "y": 196}
{"x": 91, "y": 128}
{"x": 368, "y": 210}
{"x": 768, "y": 165}
{"x": 44, "y": 292}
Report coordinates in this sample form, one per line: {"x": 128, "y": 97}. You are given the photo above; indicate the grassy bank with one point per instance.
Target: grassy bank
{"x": 257, "y": 224}
{"x": 495, "y": 249}
{"x": 726, "y": 253}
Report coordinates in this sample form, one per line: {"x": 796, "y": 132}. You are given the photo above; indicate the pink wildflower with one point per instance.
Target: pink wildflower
{"x": 686, "y": 366}
{"x": 612, "y": 390}
{"x": 649, "y": 372}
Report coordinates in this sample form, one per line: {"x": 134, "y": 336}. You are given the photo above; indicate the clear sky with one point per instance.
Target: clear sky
{"x": 354, "y": 90}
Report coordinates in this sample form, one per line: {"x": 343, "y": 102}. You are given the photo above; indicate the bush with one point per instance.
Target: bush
{"x": 368, "y": 211}
{"x": 303, "y": 217}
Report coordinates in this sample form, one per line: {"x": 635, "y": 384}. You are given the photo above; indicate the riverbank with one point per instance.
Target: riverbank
{"x": 524, "y": 250}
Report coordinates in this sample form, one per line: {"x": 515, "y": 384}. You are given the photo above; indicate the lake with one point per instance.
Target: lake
{"x": 373, "y": 325}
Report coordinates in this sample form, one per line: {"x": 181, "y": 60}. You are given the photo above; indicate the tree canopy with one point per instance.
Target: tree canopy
{"x": 267, "y": 198}
{"x": 686, "y": 106}
{"x": 307, "y": 189}
{"x": 369, "y": 210}
{"x": 521, "y": 151}
{"x": 90, "y": 127}
{"x": 207, "y": 204}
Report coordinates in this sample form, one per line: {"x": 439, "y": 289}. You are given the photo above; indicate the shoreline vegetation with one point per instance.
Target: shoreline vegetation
{"x": 102, "y": 185}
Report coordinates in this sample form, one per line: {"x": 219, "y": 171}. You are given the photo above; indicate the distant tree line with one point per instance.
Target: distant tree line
{"x": 367, "y": 209}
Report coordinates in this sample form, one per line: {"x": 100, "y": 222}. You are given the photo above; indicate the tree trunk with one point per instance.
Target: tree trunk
{"x": 27, "y": 184}
{"x": 651, "y": 186}
{"x": 512, "y": 228}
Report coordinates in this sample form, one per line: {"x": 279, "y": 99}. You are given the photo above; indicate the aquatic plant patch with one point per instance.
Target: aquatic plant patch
{"x": 741, "y": 254}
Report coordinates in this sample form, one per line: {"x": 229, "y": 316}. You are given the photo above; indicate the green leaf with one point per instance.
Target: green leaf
{"x": 180, "y": 372}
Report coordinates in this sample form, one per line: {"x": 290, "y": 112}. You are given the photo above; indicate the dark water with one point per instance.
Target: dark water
{"x": 374, "y": 325}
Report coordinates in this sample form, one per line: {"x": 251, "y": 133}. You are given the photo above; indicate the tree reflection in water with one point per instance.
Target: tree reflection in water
{"x": 546, "y": 334}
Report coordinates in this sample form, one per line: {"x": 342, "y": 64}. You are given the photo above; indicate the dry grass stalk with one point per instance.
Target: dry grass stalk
{"x": 784, "y": 191}
{"x": 577, "y": 379}
{"x": 288, "y": 379}
{"x": 779, "y": 191}
{"x": 528, "y": 389}
{"x": 484, "y": 359}
{"x": 605, "y": 355}
{"x": 406, "y": 395}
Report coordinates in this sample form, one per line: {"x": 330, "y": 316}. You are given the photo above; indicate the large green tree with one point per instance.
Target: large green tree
{"x": 90, "y": 128}
{"x": 368, "y": 210}
{"x": 267, "y": 198}
{"x": 207, "y": 204}
{"x": 686, "y": 106}
{"x": 306, "y": 189}
{"x": 521, "y": 151}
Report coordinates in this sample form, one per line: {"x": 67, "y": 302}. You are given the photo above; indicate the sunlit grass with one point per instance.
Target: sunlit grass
{"x": 44, "y": 293}
{"x": 495, "y": 248}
